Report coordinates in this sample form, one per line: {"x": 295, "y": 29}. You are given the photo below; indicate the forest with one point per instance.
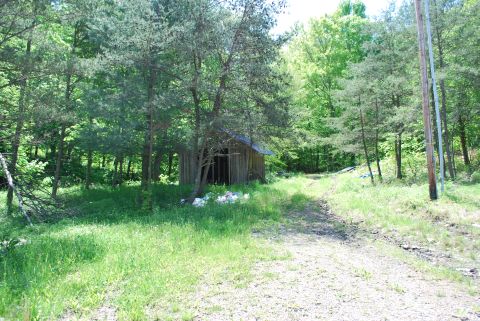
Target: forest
{"x": 99, "y": 100}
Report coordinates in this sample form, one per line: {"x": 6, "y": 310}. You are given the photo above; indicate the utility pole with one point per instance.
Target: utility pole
{"x": 435, "y": 95}
{"x": 425, "y": 102}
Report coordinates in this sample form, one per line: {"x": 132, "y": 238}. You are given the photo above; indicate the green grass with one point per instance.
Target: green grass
{"x": 113, "y": 254}
{"x": 145, "y": 264}
{"x": 449, "y": 225}
{"x": 362, "y": 273}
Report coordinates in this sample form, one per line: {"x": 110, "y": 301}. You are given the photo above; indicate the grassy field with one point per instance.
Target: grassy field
{"x": 112, "y": 254}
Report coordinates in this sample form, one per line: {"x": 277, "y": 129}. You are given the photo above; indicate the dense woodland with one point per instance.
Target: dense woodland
{"x": 107, "y": 92}
{"x": 357, "y": 80}
{"x": 101, "y": 92}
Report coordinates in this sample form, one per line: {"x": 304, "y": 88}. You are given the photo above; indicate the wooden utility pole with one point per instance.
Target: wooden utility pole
{"x": 425, "y": 102}
{"x": 435, "y": 95}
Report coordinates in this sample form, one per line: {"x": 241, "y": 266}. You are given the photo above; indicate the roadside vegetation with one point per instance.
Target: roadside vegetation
{"x": 113, "y": 254}
{"x": 445, "y": 234}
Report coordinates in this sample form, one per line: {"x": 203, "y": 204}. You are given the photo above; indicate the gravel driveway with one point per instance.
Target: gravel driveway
{"x": 333, "y": 274}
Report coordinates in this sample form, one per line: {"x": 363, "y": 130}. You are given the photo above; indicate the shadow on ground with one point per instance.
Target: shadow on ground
{"x": 317, "y": 219}
{"x": 110, "y": 206}
{"x": 307, "y": 216}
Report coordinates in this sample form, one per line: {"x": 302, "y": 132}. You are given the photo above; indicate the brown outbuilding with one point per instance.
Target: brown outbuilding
{"x": 239, "y": 161}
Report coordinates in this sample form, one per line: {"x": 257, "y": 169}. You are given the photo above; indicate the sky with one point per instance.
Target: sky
{"x": 302, "y": 10}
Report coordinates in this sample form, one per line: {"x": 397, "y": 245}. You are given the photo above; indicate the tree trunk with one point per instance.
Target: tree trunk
{"x": 377, "y": 157}
{"x": 453, "y": 157}
{"x": 435, "y": 130}
{"x": 20, "y": 123}
{"x": 115, "y": 172}
{"x": 157, "y": 162}
{"x": 450, "y": 161}
{"x": 145, "y": 160}
{"x": 196, "y": 101}
{"x": 120, "y": 174}
{"x": 205, "y": 175}
{"x": 58, "y": 165}
{"x": 129, "y": 165}
{"x": 197, "y": 153}
{"x": 199, "y": 171}
{"x": 463, "y": 141}
{"x": 216, "y": 110}
{"x": 148, "y": 142}
{"x": 12, "y": 186}
{"x": 68, "y": 94}
{"x": 362, "y": 122}
{"x": 88, "y": 176}
{"x": 53, "y": 152}
{"x": 61, "y": 142}
{"x": 398, "y": 155}
{"x": 104, "y": 159}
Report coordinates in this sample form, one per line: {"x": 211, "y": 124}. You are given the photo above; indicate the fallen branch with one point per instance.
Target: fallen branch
{"x": 12, "y": 186}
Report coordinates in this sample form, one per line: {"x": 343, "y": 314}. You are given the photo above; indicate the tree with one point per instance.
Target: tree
{"x": 463, "y": 76}
{"x": 235, "y": 73}
{"x": 320, "y": 55}
{"x": 75, "y": 43}
{"x": 17, "y": 36}
{"x": 138, "y": 39}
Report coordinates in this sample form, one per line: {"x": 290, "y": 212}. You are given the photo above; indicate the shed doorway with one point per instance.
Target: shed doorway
{"x": 219, "y": 171}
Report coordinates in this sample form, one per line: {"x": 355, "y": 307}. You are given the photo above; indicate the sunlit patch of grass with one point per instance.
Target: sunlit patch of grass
{"x": 299, "y": 201}
{"x": 112, "y": 251}
{"x": 270, "y": 275}
{"x": 188, "y": 316}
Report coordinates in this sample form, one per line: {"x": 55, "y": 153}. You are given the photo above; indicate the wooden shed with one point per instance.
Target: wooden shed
{"x": 239, "y": 162}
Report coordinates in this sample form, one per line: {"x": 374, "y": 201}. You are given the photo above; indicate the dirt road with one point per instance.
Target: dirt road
{"x": 333, "y": 274}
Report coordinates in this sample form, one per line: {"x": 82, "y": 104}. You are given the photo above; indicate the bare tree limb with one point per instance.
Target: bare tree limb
{"x": 10, "y": 183}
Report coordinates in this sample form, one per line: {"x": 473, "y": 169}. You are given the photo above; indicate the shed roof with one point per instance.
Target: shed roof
{"x": 247, "y": 141}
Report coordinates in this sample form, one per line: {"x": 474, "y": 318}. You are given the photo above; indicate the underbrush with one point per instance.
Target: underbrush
{"x": 112, "y": 254}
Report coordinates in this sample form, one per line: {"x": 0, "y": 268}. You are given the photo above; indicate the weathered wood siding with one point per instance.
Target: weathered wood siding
{"x": 256, "y": 166}
{"x": 238, "y": 164}
{"x": 187, "y": 168}
{"x": 244, "y": 165}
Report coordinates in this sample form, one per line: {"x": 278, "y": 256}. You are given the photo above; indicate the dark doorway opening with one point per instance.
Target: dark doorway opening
{"x": 219, "y": 171}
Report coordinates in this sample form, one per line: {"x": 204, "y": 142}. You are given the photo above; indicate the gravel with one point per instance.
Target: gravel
{"x": 332, "y": 274}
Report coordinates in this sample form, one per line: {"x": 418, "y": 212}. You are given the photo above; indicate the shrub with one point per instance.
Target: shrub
{"x": 31, "y": 172}
{"x": 475, "y": 178}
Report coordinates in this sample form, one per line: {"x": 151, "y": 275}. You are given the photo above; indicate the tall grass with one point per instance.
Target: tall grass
{"x": 113, "y": 254}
